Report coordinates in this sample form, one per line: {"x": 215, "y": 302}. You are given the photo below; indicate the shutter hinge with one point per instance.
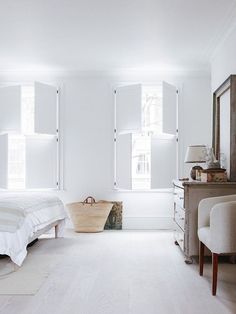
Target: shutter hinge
{"x": 177, "y": 91}
{"x": 57, "y": 91}
{"x": 114, "y": 91}
{"x": 57, "y": 183}
{"x": 114, "y": 183}
{"x": 177, "y": 130}
{"x": 114, "y": 139}
{"x": 57, "y": 139}
{"x": 114, "y": 130}
{"x": 177, "y": 140}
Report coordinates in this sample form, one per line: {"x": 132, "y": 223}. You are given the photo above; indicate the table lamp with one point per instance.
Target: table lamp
{"x": 195, "y": 154}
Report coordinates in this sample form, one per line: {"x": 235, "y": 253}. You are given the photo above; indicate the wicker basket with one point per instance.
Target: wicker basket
{"x": 89, "y": 216}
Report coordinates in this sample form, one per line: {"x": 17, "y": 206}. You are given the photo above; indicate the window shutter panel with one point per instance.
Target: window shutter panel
{"x": 45, "y": 108}
{"x": 169, "y": 108}
{"x": 129, "y": 108}
{"x": 10, "y": 108}
{"x": 41, "y": 162}
{"x": 124, "y": 161}
{"x": 4, "y": 161}
{"x": 163, "y": 162}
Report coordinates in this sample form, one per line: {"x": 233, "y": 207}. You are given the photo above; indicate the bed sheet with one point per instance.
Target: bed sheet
{"x": 15, "y": 244}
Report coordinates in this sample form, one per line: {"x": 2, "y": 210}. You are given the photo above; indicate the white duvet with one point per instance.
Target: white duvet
{"x": 33, "y": 212}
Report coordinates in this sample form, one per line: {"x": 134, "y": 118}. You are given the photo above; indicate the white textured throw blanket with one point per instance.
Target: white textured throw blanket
{"x": 14, "y": 207}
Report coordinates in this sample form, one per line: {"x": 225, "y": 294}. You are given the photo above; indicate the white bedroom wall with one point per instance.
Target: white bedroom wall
{"x": 88, "y": 140}
{"x": 223, "y": 61}
{"x": 87, "y": 125}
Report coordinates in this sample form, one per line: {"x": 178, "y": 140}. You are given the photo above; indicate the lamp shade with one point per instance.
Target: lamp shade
{"x": 195, "y": 154}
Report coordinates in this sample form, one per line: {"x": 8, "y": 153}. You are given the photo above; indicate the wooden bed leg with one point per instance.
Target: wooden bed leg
{"x": 56, "y": 231}
{"x": 16, "y": 267}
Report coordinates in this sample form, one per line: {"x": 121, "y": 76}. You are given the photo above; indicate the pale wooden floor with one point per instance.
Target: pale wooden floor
{"x": 122, "y": 272}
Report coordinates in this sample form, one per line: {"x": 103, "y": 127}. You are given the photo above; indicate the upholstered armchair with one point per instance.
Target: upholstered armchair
{"x": 216, "y": 230}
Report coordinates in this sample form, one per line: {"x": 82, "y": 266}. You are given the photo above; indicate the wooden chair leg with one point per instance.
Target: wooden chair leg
{"x": 201, "y": 257}
{"x": 214, "y": 272}
{"x": 56, "y": 231}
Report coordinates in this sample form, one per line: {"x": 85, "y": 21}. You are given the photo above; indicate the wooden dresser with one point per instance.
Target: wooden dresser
{"x": 187, "y": 196}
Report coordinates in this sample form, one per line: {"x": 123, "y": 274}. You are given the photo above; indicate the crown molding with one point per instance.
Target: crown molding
{"x": 131, "y": 73}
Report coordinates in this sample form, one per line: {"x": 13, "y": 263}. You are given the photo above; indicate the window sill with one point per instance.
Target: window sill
{"x": 170, "y": 190}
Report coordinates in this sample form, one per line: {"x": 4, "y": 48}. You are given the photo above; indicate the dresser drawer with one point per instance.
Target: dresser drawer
{"x": 179, "y": 236}
{"x": 179, "y": 216}
{"x": 179, "y": 196}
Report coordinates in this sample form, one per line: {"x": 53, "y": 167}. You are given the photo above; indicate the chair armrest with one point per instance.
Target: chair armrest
{"x": 223, "y": 228}
{"x": 205, "y": 206}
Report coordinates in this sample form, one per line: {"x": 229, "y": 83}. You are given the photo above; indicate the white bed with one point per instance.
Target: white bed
{"x": 37, "y": 213}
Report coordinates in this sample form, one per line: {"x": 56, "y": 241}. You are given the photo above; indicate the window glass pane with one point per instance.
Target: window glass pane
{"x": 152, "y": 125}
{"x": 141, "y": 166}
{"x": 141, "y": 143}
{"x": 152, "y": 109}
{"x": 27, "y": 109}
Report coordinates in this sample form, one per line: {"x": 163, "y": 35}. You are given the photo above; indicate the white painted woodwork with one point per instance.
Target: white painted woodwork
{"x": 3, "y": 161}
{"x": 124, "y": 161}
{"x": 129, "y": 108}
{"x": 10, "y": 108}
{"x": 45, "y": 108}
{"x": 163, "y": 162}
{"x": 41, "y": 162}
{"x": 169, "y": 108}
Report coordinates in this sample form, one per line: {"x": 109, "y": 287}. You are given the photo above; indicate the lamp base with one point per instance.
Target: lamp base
{"x": 194, "y": 170}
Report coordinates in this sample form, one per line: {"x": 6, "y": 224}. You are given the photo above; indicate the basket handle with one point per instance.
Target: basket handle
{"x": 89, "y": 200}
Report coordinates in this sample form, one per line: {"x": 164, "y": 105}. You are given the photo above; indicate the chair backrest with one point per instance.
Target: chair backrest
{"x": 223, "y": 227}
{"x": 205, "y": 206}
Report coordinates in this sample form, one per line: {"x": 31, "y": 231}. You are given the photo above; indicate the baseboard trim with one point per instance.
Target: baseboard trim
{"x": 148, "y": 223}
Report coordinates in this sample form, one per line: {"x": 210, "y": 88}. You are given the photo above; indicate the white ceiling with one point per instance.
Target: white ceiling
{"x": 111, "y": 34}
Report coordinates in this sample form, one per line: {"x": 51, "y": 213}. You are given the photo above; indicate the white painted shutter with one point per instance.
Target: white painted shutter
{"x": 41, "y": 162}
{"x": 129, "y": 108}
{"x": 45, "y": 108}
{"x": 169, "y": 108}
{"x": 4, "y": 161}
{"x": 10, "y": 108}
{"x": 124, "y": 161}
{"x": 163, "y": 162}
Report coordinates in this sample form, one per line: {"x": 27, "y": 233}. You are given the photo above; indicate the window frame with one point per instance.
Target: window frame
{"x": 58, "y": 136}
{"x": 150, "y": 190}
